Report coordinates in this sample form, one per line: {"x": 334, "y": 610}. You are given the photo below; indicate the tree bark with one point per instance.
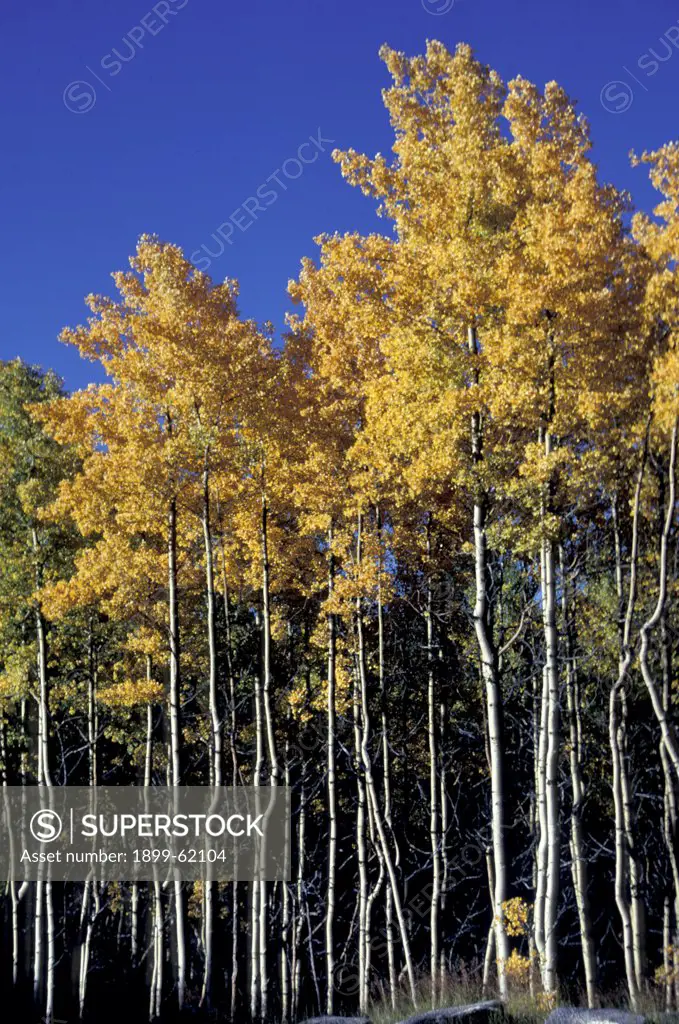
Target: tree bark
{"x": 370, "y": 784}
{"x": 332, "y": 796}
{"x": 616, "y": 736}
{"x": 578, "y": 853}
{"x": 667, "y": 732}
{"x": 434, "y": 837}
{"x": 553, "y": 724}
{"x": 175, "y": 734}
{"x": 210, "y": 887}
{"x": 491, "y": 679}
{"x": 274, "y": 767}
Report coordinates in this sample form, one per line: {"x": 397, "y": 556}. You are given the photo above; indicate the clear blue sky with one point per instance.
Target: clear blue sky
{"x": 214, "y": 96}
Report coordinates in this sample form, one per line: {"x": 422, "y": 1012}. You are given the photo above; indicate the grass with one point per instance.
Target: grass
{"x": 463, "y": 987}
{"x": 459, "y": 989}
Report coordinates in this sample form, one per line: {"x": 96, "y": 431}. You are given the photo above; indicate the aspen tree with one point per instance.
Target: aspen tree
{"x": 447, "y": 194}
{"x": 330, "y": 358}
{"x": 31, "y": 466}
{"x": 577, "y": 844}
{"x": 570, "y": 241}
{"x": 660, "y": 239}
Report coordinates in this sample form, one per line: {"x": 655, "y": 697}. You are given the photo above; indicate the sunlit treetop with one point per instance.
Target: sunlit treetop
{"x": 660, "y": 238}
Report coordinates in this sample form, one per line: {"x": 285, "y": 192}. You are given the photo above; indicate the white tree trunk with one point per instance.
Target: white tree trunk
{"x": 210, "y": 887}
{"x": 361, "y": 851}
{"x": 667, "y": 732}
{"x": 386, "y": 777}
{"x": 578, "y": 855}
{"x": 491, "y": 679}
{"x": 332, "y": 797}
{"x": 552, "y": 801}
{"x": 274, "y": 767}
{"x": 175, "y": 734}
{"x": 434, "y": 838}
{"x": 616, "y": 736}
{"x": 371, "y": 790}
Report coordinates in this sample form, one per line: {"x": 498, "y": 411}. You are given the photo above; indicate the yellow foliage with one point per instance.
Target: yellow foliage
{"x": 668, "y": 975}
{"x": 15, "y": 676}
{"x": 516, "y": 914}
{"x": 517, "y": 969}
{"x": 131, "y": 693}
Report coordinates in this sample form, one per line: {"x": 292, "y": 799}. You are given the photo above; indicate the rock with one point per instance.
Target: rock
{"x": 576, "y": 1015}
{"x": 337, "y": 1020}
{"x": 473, "y": 1013}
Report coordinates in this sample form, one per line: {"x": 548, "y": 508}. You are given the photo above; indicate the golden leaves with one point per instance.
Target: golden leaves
{"x": 516, "y": 914}
{"x": 660, "y": 240}
{"x": 518, "y": 969}
{"x": 131, "y": 693}
{"x": 15, "y": 676}
{"x": 501, "y": 225}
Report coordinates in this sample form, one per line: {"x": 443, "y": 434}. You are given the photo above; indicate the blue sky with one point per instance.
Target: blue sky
{"x": 118, "y": 119}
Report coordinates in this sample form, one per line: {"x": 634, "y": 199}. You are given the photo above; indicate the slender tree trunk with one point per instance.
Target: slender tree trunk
{"x": 91, "y": 901}
{"x": 543, "y": 829}
{"x": 386, "y": 777}
{"x": 553, "y": 724}
{"x": 44, "y": 903}
{"x": 433, "y": 786}
{"x": 490, "y": 942}
{"x": 215, "y": 717}
{"x": 43, "y": 700}
{"x": 235, "y": 776}
{"x": 666, "y": 954}
{"x": 332, "y": 796}
{"x": 670, "y": 797}
{"x": 148, "y": 745}
{"x": 538, "y": 908}
{"x": 156, "y": 995}
{"x": 312, "y": 958}
{"x": 491, "y": 679}
{"x": 621, "y": 857}
{"x": 443, "y": 715}
{"x": 175, "y": 723}
{"x": 371, "y": 791}
{"x": 361, "y": 850}
{"x": 210, "y": 887}
{"x": 175, "y": 734}
{"x": 255, "y": 932}
{"x": 616, "y": 736}
{"x": 51, "y": 954}
{"x": 91, "y": 907}
{"x": 92, "y": 722}
{"x": 300, "y": 897}
{"x": 632, "y": 864}
{"x": 286, "y": 909}
{"x": 578, "y": 854}
{"x": 669, "y": 818}
{"x": 634, "y": 860}
{"x": 38, "y": 926}
{"x": 667, "y": 732}
{"x": 274, "y": 767}
{"x": 209, "y": 892}
{"x": 148, "y": 764}
{"x": 372, "y": 896}
{"x": 552, "y": 775}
